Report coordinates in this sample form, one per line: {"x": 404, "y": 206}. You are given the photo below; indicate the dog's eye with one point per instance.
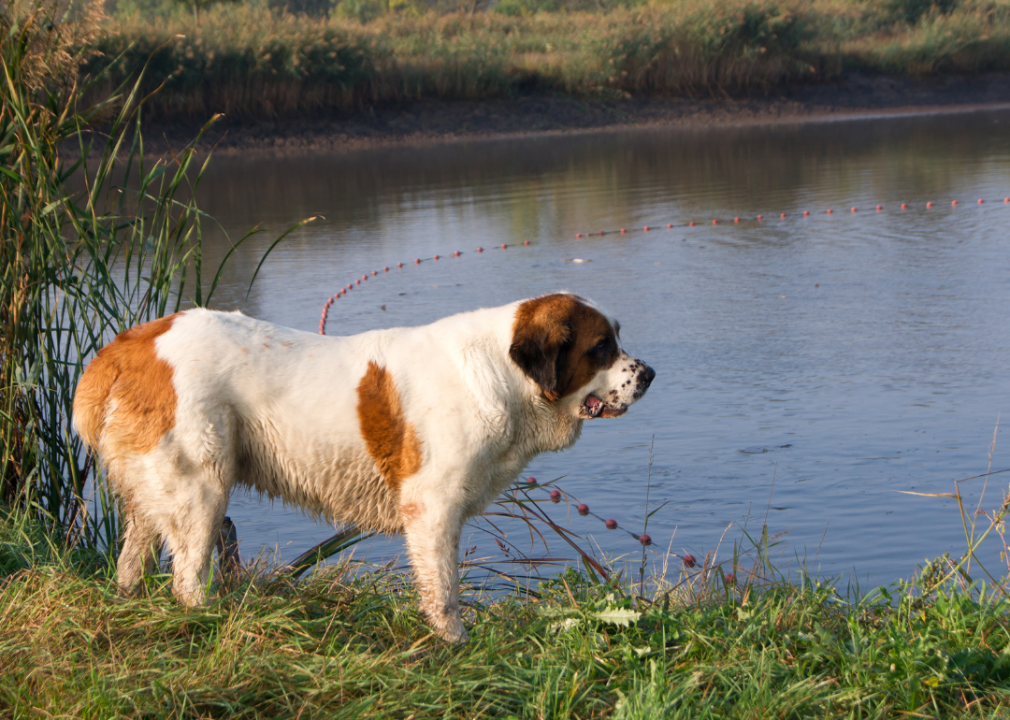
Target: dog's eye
{"x": 601, "y": 347}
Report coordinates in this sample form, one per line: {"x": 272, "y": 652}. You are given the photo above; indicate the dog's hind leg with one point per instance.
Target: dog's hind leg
{"x": 192, "y": 539}
{"x": 192, "y": 522}
{"x": 140, "y": 552}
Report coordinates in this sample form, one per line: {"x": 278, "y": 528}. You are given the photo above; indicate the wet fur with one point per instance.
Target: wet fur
{"x": 353, "y": 429}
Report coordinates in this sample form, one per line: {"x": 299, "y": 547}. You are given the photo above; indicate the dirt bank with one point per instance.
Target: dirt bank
{"x": 434, "y": 122}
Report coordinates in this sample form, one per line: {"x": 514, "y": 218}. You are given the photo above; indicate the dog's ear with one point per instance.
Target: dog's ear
{"x": 537, "y": 356}
{"x": 539, "y": 332}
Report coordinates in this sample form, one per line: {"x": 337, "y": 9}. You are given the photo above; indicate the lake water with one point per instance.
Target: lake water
{"x": 840, "y": 358}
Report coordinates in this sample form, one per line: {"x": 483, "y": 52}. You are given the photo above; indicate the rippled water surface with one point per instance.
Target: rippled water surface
{"x": 824, "y": 362}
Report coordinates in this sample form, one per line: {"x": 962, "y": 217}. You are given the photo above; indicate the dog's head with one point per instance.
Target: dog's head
{"x": 571, "y": 349}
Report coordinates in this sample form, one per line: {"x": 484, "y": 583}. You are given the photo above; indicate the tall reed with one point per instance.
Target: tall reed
{"x": 75, "y": 267}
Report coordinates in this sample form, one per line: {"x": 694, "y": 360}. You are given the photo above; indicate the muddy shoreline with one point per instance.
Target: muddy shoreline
{"x": 432, "y": 122}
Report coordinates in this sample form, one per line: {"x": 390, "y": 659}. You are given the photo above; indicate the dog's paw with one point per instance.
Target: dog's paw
{"x": 450, "y": 629}
{"x": 456, "y": 634}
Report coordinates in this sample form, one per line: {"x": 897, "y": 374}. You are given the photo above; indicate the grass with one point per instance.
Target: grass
{"x": 349, "y": 642}
{"x": 247, "y": 60}
{"x": 697, "y": 639}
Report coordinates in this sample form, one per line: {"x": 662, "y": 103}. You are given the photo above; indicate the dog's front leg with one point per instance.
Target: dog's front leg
{"x": 432, "y": 532}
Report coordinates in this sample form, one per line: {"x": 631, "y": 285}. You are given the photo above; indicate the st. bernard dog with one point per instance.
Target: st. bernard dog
{"x": 408, "y": 430}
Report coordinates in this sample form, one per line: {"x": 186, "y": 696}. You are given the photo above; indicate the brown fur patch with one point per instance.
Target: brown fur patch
{"x": 129, "y": 373}
{"x": 391, "y": 440}
{"x": 561, "y": 343}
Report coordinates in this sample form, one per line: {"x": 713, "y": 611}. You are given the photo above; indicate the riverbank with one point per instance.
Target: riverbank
{"x": 285, "y": 82}
{"x": 432, "y": 122}
{"x": 350, "y": 642}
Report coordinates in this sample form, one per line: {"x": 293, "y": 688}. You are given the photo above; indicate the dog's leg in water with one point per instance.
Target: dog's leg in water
{"x": 139, "y": 554}
{"x": 432, "y": 535}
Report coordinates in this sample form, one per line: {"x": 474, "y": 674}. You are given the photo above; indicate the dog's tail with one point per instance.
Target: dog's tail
{"x": 127, "y": 368}
{"x": 92, "y": 398}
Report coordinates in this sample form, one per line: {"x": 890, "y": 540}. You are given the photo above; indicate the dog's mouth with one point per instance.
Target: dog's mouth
{"x": 592, "y": 407}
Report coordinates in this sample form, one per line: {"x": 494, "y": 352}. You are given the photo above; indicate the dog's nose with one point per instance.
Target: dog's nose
{"x": 647, "y": 376}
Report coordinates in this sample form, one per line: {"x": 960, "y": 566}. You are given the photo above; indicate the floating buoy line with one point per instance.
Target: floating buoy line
{"x": 736, "y": 220}
{"x": 385, "y": 270}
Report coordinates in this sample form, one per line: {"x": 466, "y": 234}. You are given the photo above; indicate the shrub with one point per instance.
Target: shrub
{"x": 685, "y": 49}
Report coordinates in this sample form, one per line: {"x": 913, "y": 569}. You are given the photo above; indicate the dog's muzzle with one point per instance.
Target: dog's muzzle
{"x": 595, "y": 407}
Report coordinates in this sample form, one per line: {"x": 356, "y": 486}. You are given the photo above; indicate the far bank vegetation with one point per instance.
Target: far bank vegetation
{"x": 277, "y": 57}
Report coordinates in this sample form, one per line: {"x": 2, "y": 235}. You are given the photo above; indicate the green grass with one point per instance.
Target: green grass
{"x": 248, "y": 60}
{"x": 349, "y": 642}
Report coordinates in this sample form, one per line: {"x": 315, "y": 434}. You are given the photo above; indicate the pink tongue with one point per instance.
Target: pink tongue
{"x": 592, "y": 402}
